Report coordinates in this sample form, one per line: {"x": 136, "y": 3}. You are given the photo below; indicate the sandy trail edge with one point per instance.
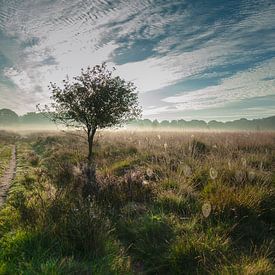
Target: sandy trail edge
{"x": 8, "y": 176}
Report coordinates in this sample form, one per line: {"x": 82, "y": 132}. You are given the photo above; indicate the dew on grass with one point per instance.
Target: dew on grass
{"x": 76, "y": 171}
{"x": 251, "y": 175}
{"x": 133, "y": 176}
{"x": 239, "y": 176}
{"x": 261, "y": 165}
{"x": 149, "y": 172}
{"x": 145, "y": 182}
{"x": 206, "y": 209}
{"x": 213, "y": 173}
{"x": 187, "y": 171}
{"x": 243, "y": 160}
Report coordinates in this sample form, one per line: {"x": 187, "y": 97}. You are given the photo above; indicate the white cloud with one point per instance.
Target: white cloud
{"x": 79, "y": 33}
{"x": 155, "y": 111}
{"x": 259, "y": 81}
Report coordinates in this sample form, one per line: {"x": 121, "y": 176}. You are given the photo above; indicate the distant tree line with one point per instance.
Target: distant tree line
{"x": 240, "y": 124}
{"x": 9, "y": 117}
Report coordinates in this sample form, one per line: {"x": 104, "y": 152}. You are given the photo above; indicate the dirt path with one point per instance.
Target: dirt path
{"x": 8, "y": 176}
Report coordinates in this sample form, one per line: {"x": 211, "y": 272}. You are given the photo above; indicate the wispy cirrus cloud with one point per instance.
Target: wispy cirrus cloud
{"x": 182, "y": 55}
{"x": 259, "y": 81}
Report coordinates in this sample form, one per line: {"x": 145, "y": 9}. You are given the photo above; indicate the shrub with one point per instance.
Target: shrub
{"x": 148, "y": 237}
{"x": 198, "y": 148}
{"x": 33, "y": 158}
{"x": 184, "y": 205}
{"x": 195, "y": 252}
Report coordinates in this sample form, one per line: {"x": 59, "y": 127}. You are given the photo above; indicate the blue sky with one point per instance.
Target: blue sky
{"x": 194, "y": 59}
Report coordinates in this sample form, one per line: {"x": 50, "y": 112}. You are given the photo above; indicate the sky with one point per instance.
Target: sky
{"x": 190, "y": 59}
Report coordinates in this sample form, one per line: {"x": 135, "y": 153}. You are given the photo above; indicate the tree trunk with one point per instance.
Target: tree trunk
{"x": 90, "y": 187}
{"x": 91, "y": 134}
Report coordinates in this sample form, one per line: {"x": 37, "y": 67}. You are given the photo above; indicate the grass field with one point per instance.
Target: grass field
{"x": 164, "y": 203}
{"x": 5, "y": 154}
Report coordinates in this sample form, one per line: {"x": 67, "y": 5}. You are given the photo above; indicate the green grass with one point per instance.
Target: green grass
{"x": 147, "y": 215}
{"x": 5, "y": 155}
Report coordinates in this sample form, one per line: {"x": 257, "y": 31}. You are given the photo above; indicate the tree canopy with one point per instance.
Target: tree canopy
{"x": 94, "y": 100}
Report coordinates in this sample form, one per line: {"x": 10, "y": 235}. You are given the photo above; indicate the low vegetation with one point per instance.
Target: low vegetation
{"x": 164, "y": 203}
{"x": 5, "y": 154}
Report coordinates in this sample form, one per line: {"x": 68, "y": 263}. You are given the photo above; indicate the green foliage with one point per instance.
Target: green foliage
{"x": 35, "y": 253}
{"x": 149, "y": 237}
{"x": 96, "y": 99}
{"x": 183, "y": 205}
{"x": 5, "y": 154}
{"x": 197, "y": 251}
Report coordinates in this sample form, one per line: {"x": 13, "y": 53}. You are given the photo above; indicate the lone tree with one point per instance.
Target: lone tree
{"x": 94, "y": 100}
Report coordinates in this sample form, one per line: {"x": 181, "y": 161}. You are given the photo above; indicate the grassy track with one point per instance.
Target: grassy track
{"x": 5, "y": 155}
{"x": 8, "y": 175}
